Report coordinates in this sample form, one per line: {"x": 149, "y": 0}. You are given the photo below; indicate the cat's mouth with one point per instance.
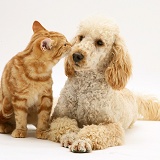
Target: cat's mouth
{"x": 61, "y": 53}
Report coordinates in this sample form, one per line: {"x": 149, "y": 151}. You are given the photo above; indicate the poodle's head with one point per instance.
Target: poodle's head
{"x": 98, "y": 42}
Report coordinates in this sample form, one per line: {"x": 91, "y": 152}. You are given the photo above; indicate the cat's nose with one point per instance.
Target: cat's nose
{"x": 77, "y": 57}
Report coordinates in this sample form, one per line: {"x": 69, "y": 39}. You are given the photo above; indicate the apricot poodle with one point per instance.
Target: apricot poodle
{"x": 94, "y": 108}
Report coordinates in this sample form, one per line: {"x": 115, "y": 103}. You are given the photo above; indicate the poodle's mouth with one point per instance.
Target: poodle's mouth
{"x": 78, "y": 67}
{"x": 77, "y": 64}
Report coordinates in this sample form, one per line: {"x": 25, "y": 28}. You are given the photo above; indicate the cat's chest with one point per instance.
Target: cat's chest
{"x": 36, "y": 91}
{"x": 33, "y": 97}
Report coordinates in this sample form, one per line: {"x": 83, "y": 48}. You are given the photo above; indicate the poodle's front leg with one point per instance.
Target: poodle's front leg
{"x": 62, "y": 126}
{"x": 96, "y": 137}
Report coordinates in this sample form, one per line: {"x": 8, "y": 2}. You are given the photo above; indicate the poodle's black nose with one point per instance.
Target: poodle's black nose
{"x": 77, "y": 57}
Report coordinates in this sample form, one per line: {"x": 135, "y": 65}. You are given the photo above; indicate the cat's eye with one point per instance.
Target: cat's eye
{"x": 65, "y": 44}
{"x": 99, "y": 42}
{"x": 81, "y": 38}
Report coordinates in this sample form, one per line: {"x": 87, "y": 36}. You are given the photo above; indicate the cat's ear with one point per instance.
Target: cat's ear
{"x": 46, "y": 44}
{"x": 37, "y": 27}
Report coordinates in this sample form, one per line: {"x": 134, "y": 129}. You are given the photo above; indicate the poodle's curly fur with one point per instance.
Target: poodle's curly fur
{"x": 94, "y": 95}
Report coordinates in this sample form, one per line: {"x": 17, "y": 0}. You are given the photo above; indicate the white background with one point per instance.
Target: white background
{"x": 139, "y": 22}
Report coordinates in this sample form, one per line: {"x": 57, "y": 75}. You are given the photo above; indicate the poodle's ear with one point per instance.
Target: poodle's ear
{"x": 69, "y": 70}
{"x": 120, "y": 68}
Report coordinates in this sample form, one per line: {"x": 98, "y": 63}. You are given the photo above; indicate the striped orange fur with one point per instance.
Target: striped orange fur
{"x": 26, "y": 84}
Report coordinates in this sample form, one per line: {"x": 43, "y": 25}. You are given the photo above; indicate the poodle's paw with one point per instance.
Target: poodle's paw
{"x": 40, "y": 134}
{"x": 67, "y": 139}
{"x": 19, "y": 133}
{"x": 6, "y": 128}
{"x": 81, "y": 146}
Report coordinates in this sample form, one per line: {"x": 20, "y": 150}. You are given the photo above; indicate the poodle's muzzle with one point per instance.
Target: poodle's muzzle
{"x": 77, "y": 57}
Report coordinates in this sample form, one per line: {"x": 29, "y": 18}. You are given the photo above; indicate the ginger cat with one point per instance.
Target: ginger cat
{"x": 26, "y": 84}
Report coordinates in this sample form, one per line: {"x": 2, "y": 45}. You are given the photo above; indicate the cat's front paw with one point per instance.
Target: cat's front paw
{"x": 67, "y": 139}
{"x": 41, "y": 134}
{"x": 81, "y": 146}
{"x": 19, "y": 133}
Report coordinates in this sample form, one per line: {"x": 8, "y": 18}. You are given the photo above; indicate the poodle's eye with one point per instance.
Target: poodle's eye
{"x": 81, "y": 37}
{"x": 99, "y": 42}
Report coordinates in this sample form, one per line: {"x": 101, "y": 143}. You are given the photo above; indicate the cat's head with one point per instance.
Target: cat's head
{"x": 47, "y": 45}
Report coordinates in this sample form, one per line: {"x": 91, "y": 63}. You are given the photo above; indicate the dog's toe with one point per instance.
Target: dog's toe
{"x": 81, "y": 146}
